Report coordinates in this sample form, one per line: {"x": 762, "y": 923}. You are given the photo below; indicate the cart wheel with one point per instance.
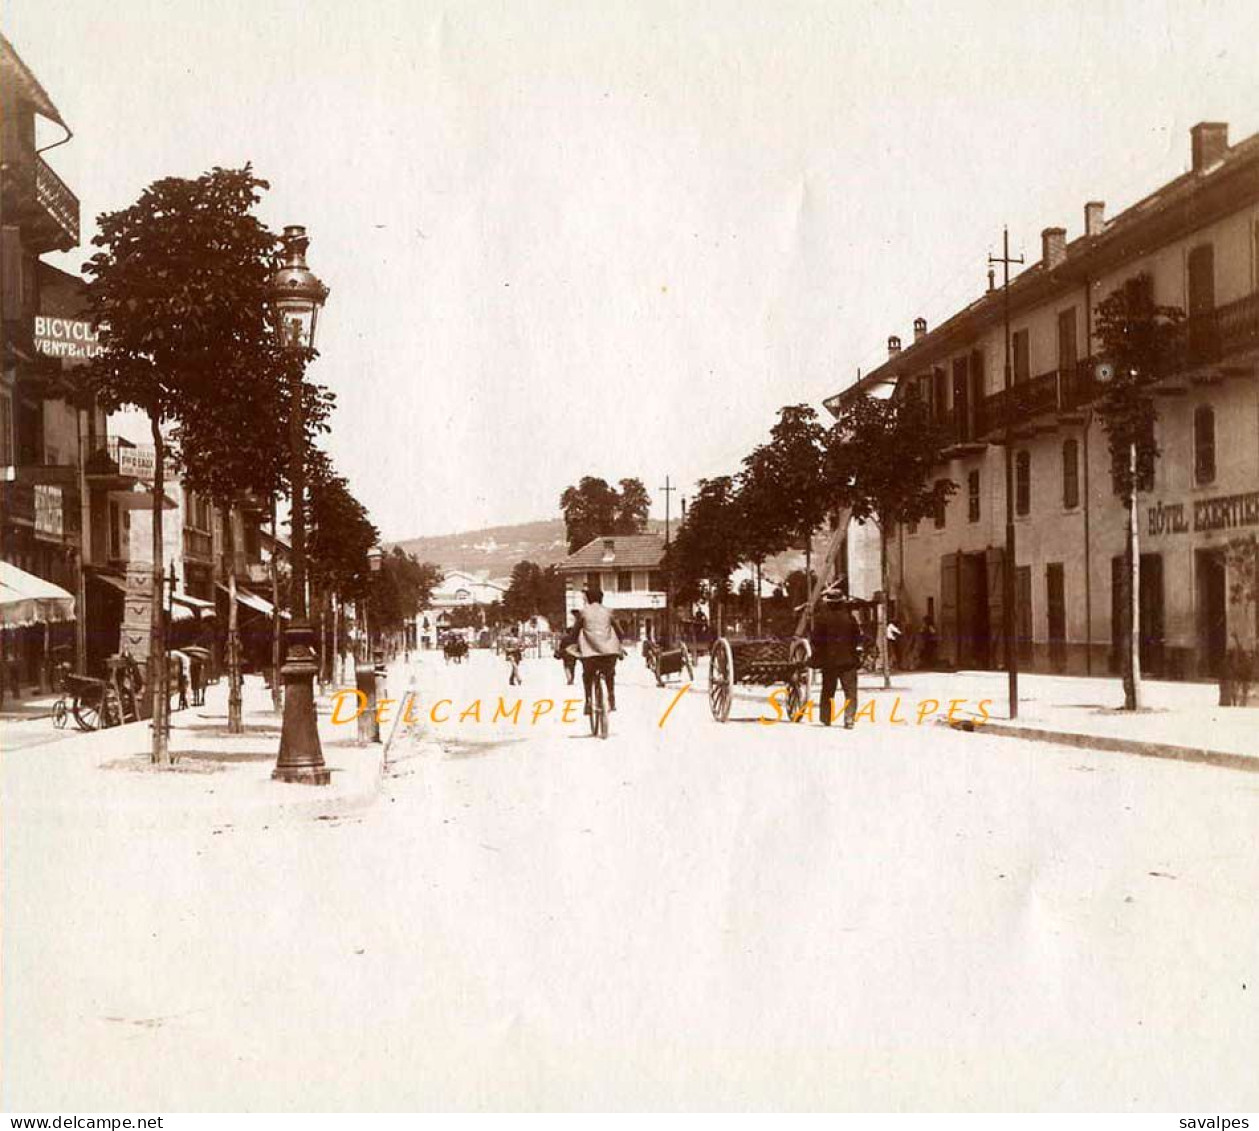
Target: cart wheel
{"x": 59, "y": 714}
{"x": 720, "y": 677}
{"x": 87, "y": 716}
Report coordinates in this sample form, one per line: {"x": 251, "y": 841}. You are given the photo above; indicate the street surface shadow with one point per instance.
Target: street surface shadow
{"x": 459, "y": 748}
{"x": 182, "y": 764}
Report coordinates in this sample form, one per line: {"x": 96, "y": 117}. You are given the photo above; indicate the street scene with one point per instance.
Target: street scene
{"x": 582, "y": 560}
{"x": 769, "y": 916}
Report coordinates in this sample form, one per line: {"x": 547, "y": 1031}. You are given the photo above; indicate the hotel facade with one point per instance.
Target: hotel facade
{"x": 1197, "y": 241}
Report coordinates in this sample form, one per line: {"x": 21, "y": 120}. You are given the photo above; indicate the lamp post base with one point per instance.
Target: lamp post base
{"x": 301, "y": 757}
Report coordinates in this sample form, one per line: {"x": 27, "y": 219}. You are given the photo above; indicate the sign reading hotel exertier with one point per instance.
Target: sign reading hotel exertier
{"x": 1206, "y": 514}
{"x": 71, "y": 339}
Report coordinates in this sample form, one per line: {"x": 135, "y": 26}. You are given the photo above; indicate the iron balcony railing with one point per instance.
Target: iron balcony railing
{"x": 57, "y": 200}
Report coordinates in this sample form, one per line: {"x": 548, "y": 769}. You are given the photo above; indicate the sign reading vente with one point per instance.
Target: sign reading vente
{"x": 72, "y": 339}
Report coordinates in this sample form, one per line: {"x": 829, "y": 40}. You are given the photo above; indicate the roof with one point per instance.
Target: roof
{"x": 17, "y": 74}
{"x": 616, "y": 551}
{"x": 1191, "y": 200}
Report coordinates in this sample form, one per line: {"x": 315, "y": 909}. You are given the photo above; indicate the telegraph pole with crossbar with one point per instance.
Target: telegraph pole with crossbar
{"x": 1007, "y": 595}
{"x": 667, "y": 490}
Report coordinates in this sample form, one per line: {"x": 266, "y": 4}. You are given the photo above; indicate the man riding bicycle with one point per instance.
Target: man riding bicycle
{"x": 598, "y": 647}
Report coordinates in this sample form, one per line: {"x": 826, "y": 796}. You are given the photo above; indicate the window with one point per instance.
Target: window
{"x": 961, "y": 400}
{"x": 655, "y": 581}
{"x": 6, "y": 428}
{"x": 115, "y": 531}
{"x": 941, "y": 509}
{"x": 624, "y": 581}
{"x": 972, "y": 496}
{"x": 1070, "y": 474}
{"x": 1022, "y": 482}
{"x": 1022, "y": 358}
{"x": 940, "y": 393}
{"x": 592, "y": 580}
{"x": 1067, "y": 355}
{"x": 1204, "y": 444}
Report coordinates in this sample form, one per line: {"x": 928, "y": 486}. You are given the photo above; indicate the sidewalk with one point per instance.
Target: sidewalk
{"x": 1181, "y": 720}
{"x": 216, "y": 776}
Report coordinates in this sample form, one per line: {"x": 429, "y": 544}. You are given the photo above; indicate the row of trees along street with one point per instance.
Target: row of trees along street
{"x": 879, "y": 463}
{"x": 179, "y": 293}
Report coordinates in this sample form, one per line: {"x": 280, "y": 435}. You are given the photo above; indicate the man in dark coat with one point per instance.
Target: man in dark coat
{"x": 836, "y": 642}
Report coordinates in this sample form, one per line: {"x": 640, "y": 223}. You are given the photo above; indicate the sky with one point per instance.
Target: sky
{"x": 612, "y": 239}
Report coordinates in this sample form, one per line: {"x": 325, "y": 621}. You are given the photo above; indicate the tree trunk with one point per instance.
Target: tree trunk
{"x": 338, "y": 667}
{"x": 235, "y": 715}
{"x": 887, "y": 670}
{"x": 276, "y": 699}
{"x": 808, "y": 584}
{"x": 758, "y": 598}
{"x": 157, "y": 629}
{"x": 1132, "y": 670}
{"x": 323, "y": 647}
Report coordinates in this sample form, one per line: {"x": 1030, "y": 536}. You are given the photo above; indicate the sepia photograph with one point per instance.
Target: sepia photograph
{"x": 629, "y": 557}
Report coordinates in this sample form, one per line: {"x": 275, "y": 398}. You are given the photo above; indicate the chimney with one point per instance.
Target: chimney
{"x": 1209, "y": 143}
{"x": 920, "y": 329}
{"x": 1094, "y": 217}
{"x": 893, "y": 346}
{"x": 1053, "y": 247}
{"x": 992, "y": 279}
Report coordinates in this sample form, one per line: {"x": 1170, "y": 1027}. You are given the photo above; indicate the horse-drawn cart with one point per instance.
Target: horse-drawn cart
{"x": 759, "y": 663}
{"x": 664, "y": 662}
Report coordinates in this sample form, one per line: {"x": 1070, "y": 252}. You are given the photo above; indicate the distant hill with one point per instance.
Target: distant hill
{"x": 495, "y": 549}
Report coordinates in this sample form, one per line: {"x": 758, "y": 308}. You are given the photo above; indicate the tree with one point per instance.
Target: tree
{"x": 340, "y": 535}
{"x": 1141, "y": 344}
{"x": 707, "y": 547}
{"x": 762, "y": 520}
{"x": 400, "y": 589}
{"x": 534, "y": 591}
{"x": 796, "y": 469}
{"x": 177, "y": 294}
{"x": 633, "y": 505}
{"x": 594, "y": 508}
{"x": 880, "y": 457}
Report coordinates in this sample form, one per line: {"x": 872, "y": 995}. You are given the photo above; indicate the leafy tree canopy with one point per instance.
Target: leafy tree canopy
{"x": 594, "y": 508}
{"x": 881, "y": 455}
{"x": 1142, "y": 343}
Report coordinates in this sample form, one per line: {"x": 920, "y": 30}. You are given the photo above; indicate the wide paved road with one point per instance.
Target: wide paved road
{"x": 693, "y": 915}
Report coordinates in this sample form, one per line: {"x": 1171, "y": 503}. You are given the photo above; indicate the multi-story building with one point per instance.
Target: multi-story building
{"x": 458, "y": 590}
{"x": 629, "y": 568}
{"x": 45, "y": 433}
{"x": 1197, "y": 241}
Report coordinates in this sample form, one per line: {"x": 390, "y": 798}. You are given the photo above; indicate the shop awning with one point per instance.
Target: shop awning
{"x": 184, "y": 607}
{"x": 27, "y": 599}
{"x": 252, "y": 601}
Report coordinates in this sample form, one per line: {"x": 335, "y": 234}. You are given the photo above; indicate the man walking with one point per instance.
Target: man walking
{"x": 837, "y": 653}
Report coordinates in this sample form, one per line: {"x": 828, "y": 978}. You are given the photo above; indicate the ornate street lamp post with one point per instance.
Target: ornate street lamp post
{"x": 298, "y": 296}
{"x": 375, "y": 559}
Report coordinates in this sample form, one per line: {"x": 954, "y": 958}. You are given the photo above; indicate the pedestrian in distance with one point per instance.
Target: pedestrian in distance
{"x": 515, "y": 654}
{"x": 836, "y": 644}
{"x": 568, "y": 642}
{"x": 930, "y": 640}
{"x": 893, "y": 643}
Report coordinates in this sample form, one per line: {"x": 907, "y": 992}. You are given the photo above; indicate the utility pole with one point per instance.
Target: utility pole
{"x": 1007, "y": 595}
{"x": 668, "y": 490}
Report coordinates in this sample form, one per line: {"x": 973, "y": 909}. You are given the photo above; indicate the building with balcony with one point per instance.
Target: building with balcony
{"x": 46, "y": 432}
{"x": 1196, "y": 240}
{"x": 629, "y": 568}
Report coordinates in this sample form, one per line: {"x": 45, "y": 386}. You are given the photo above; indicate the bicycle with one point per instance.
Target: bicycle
{"x": 599, "y": 704}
